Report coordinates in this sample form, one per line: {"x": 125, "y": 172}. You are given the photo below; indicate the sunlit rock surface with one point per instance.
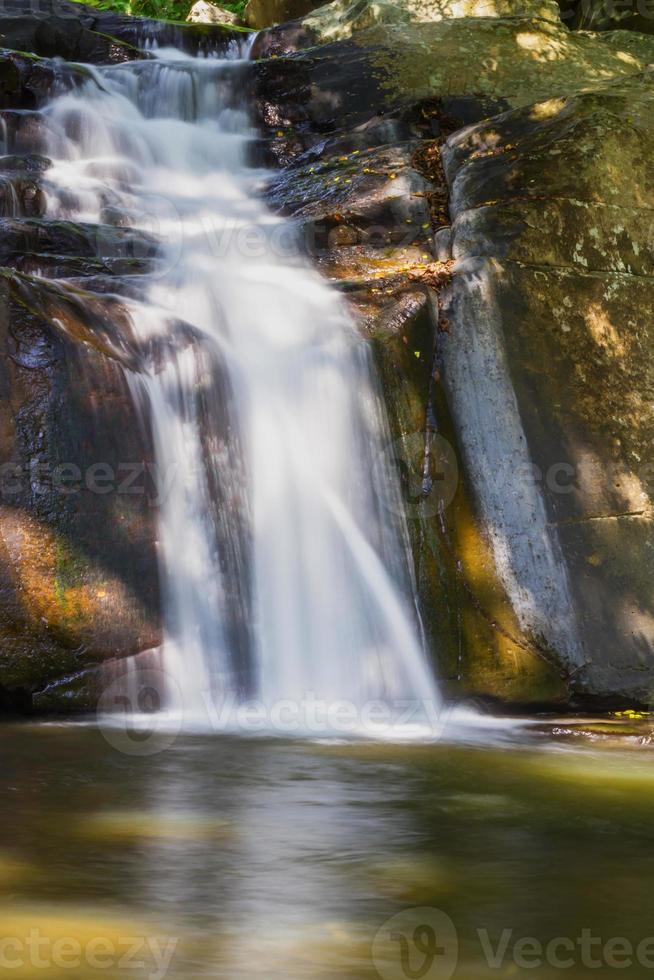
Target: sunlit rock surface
{"x": 339, "y": 20}
{"x": 551, "y": 310}
{"x": 203, "y": 12}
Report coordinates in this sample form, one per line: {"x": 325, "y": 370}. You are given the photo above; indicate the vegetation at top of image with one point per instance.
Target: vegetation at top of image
{"x": 159, "y": 9}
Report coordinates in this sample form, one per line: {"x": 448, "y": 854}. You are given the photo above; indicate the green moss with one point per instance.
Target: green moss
{"x": 516, "y": 59}
{"x": 68, "y": 571}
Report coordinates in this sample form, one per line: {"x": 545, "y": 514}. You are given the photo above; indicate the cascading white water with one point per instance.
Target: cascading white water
{"x": 284, "y": 551}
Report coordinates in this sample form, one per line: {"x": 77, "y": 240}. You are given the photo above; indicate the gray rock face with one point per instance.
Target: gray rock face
{"x": 553, "y": 282}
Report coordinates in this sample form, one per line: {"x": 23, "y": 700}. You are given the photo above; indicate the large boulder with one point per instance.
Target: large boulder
{"x": 549, "y": 371}
{"x": 79, "y": 575}
{"x": 341, "y": 19}
{"x": 60, "y": 29}
{"x": 511, "y": 61}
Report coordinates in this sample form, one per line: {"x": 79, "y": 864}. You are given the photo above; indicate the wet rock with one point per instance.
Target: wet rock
{"x": 21, "y": 194}
{"x": 100, "y": 273}
{"x": 102, "y": 323}
{"x": 30, "y": 163}
{"x": 372, "y": 198}
{"x": 382, "y": 69}
{"x": 52, "y": 29}
{"x": 193, "y": 38}
{"x": 59, "y": 28}
{"x": 27, "y": 82}
{"x": 66, "y": 238}
{"x": 78, "y": 577}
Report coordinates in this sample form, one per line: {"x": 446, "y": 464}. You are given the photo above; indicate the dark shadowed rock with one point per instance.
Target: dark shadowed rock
{"x": 27, "y": 82}
{"x": 58, "y": 28}
{"x": 606, "y": 15}
{"x": 52, "y": 29}
{"x": 263, "y": 13}
{"x": 78, "y": 579}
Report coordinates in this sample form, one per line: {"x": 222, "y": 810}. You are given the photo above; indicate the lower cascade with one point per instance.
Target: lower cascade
{"x": 285, "y": 564}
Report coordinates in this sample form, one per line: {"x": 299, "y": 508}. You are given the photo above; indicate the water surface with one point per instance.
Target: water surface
{"x": 265, "y": 858}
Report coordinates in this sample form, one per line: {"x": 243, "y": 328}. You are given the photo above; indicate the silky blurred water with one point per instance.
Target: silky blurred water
{"x": 283, "y": 546}
{"x": 271, "y": 859}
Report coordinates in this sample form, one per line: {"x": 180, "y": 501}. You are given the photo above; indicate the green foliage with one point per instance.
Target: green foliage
{"x": 159, "y": 9}
{"x": 119, "y": 6}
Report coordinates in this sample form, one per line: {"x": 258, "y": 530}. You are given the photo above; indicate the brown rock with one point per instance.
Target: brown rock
{"x": 79, "y": 575}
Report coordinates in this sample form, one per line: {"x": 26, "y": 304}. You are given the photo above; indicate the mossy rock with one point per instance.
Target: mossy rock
{"x": 79, "y": 577}
{"x": 518, "y": 60}
{"x": 550, "y": 373}
{"x": 496, "y": 63}
{"x": 341, "y": 19}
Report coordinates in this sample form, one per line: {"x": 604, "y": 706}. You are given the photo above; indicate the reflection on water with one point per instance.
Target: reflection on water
{"x": 230, "y": 858}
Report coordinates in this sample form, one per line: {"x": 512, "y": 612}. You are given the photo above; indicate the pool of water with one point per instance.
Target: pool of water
{"x": 233, "y": 858}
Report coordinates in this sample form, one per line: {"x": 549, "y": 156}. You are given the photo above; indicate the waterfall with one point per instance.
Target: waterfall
{"x": 284, "y": 552}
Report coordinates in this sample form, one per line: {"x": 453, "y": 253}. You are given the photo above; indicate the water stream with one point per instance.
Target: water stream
{"x": 284, "y": 551}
